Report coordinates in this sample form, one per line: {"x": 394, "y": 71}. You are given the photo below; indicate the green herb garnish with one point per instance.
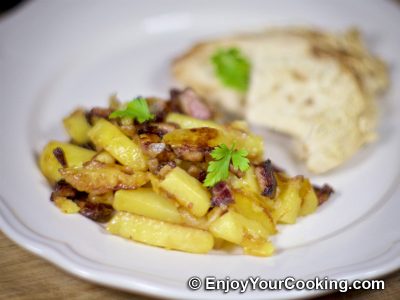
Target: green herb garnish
{"x": 135, "y": 109}
{"x": 232, "y": 68}
{"x": 218, "y": 169}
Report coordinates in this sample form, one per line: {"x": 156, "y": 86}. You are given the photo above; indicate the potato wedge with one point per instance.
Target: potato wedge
{"x": 145, "y": 202}
{"x": 75, "y": 156}
{"x": 228, "y": 227}
{"x": 188, "y": 191}
{"x": 185, "y": 121}
{"x": 128, "y": 152}
{"x": 98, "y": 178}
{"x": 192, "y": 138}
{"x": 246, "y": 183}
{"x": 160, "y": 233}
{"x": 234, "y": 227}
{"x": 246, "y": 206}
{"x": 309, "y": 202}
{"x": 288, "y": 201}
{"x": 77, "y": 126}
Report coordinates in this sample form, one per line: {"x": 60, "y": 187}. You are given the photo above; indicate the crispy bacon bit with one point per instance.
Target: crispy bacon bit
{"x": 99, "y": 212}
{"x": 64, "y": 189}
{"x": 323, "y": 193}
{"x": 221, "y": 194}
{"x": 202, "y": 176}
{"x": 59, "y": 155}
{"x": 189, "y": 103}
{"x": 98, "y": 112}
{"x": 266, "y": 179}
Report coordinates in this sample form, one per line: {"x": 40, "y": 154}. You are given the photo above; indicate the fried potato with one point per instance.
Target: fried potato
{"x": 197, "y": 134}
{"x": 246, "y": 183}
{"x": 233, "y": 227}
{"x": 193, "y": 138}
{"x": 309, "y": 202}
{"x": 188, "y": 191}
{"x": 288, "y": 202}
{"x": 77, "y": 126}
{"x": 257, "y": 247}
{"x": 228, "y": 227}
{"x": 98, "y": 178}
{"x": 188, "y": 122}
{"x": 74, "y": 156}
{"x": 160, "y": 233}
{"x": 66, "y": 205}
{"x": 249, "y": 208}
{"x": 145, "y": 202}
{"x": 128, "y": 152}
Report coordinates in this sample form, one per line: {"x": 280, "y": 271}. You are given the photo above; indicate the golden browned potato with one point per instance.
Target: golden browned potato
{"x": 74, "y": 156}
{"x": 188, "y": 191}
{"x": 77, "y": 126}
{"x": 160, "y": 233}
{"x": 98, "y": 178}
{"x": 145, "y": 202}
{"x": 288, "y": 202}
{"x": 109, "y": 137}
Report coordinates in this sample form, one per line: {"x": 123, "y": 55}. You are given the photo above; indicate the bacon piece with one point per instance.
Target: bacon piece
{"x": 60, "y": 156}
{"x": 189, "y": 103}
{"x": 99, "y": 212}
{"x": 266, "y": 179}
{"x": 221, "y": 194}
{"x": 323, "y": 193}
{"x": 64, "y": 189}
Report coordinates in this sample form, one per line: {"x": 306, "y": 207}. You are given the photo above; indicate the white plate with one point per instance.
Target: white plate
{"x": 55, "y": 55}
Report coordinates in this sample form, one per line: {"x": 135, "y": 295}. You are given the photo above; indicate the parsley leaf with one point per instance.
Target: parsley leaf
{"x": 240, "y": 160}
{"x": 135, "y": 109}
{"x": 232, "y": 68}
{"x": 218, "y": 169}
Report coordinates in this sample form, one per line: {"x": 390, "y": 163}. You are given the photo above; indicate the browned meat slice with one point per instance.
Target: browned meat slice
{"x": 323, "y": 193}
{"x": 99, "y": 212}
{"x": 190, "y": 103}
{"x": 266, "y": 179}
{"x": 59, "y": 155}
{"x": 221, "y": 194}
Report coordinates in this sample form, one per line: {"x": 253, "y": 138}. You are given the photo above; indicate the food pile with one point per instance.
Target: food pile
{"x": 320, "y": 88}
{"x": 168, "y": 174}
